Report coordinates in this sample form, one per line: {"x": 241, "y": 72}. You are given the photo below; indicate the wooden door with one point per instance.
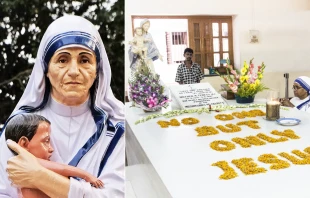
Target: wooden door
{"x": 211, "y": 39}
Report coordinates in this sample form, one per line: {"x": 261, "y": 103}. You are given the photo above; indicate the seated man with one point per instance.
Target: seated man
{"x": 188, "y": 72}
{"x": 301, "y": 100}
{"x": 32, "y": 132}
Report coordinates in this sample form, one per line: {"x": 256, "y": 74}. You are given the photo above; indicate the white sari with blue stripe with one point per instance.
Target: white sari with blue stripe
{"x": 89, "y": 136}
{"x": 302, "y": 105}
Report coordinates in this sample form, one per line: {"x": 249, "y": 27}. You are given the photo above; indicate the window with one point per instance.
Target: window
{"x": 176, "y": 43}
{"x": 179, "y": 38}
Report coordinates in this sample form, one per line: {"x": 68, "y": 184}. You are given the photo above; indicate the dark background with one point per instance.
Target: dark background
{"x": 22, "y": 25}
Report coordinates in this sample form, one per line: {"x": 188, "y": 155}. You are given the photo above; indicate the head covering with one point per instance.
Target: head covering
{"x": 72, "y": 45}
{"x": 304, "y": 81}
{"x": 71, "y": 31}
{"x": 143, "y": 22}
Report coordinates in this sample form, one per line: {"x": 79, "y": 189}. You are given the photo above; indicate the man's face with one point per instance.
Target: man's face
{"x": 72, "y": 72}
{"x": 188, "y": 56}
{"x": 40, "y": 145}
{"x": 299, "y": 91}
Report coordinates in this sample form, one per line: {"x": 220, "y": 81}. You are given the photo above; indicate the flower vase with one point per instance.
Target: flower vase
{"x": 146, "y": 110}
{"x": 243, "y": 100}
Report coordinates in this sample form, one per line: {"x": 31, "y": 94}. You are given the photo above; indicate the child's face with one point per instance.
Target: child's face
{"x": 40, "y": 145}
{"x": 139, "y": 32}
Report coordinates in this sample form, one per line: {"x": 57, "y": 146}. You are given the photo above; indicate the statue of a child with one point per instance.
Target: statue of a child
{"x": 32, "y": 132}
{"x": 138, "y": 43}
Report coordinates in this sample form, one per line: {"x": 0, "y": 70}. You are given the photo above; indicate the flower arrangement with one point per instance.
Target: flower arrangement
{"x": 246, "y": 82}
{"x": 145, "y": 89}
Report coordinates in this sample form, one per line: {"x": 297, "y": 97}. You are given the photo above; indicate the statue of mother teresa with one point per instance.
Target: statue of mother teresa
{"x": 70, "y": 86}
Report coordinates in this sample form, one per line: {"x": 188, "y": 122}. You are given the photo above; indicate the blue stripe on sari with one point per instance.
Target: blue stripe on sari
{"x": 69, "y": 33}
{"x": 100, "y": 120}
{"x": 302, "y": 104}
{"x": 119, "y": 133}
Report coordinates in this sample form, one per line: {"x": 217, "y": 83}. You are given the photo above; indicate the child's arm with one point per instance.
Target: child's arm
{"x": 133, "y": 42}
{"x": 67, "y": 171}
{"x": 33, "y": 193}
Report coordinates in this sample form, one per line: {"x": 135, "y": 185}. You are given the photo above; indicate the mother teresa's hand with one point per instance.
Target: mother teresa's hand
{"x": 23, "y": 169}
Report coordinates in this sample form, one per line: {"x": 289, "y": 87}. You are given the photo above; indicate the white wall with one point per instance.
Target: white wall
{"x": 284, "y": 27}
{"x": 158, "y": 29}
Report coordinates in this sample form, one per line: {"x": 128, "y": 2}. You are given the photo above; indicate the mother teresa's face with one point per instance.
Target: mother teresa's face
{"x": 72, "y": 72}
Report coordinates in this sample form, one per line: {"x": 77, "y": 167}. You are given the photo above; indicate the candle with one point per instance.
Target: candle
{"x": 272, "y": 110}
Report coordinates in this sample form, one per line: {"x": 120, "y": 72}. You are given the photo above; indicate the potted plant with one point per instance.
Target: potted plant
{"x": 246, "y": 83}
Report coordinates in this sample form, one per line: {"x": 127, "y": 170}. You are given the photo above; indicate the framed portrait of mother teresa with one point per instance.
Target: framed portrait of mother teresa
{"x": 61, "y": 100}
